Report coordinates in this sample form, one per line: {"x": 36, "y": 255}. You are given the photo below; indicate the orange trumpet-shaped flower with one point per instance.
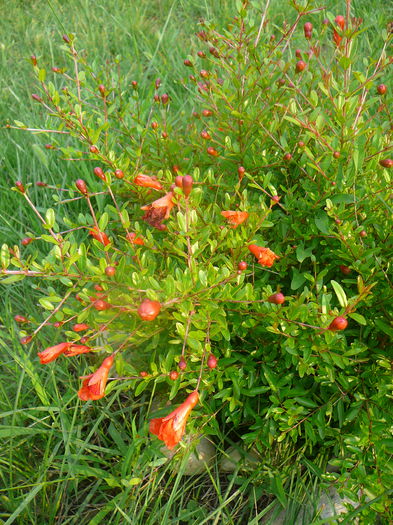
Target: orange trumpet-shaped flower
{"x": 100, "y": 236}
{"x": 93, "y": 386}
{"x": 50, "y": 354}
{"x": 235, "y": 218}
{"x": 147, "y": 182}
{"x": 159, "y": 210}
{"x": 171, "y": 428}
{"x": 76, "y": 350}
{"x": 133, "y": 239}
{"x": 265, "y": 256}
{"x": 337, "y": 38}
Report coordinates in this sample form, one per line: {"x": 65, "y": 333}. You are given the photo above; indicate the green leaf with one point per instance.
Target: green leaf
{"x": 297, "y": 279}
{"x": 278, "y": 490}
{"x": 50, "y": 218}
{"x": 12, "y": 279}
{"x": 322, "y": 222}
{"x": 342, "y": 298}
{"x": 10, "y": 431}
{"x": 302, "y": 254}
{"x": 358, "y": 318}
{"x": 388, "y": 330}
{"x": 102, "y": 223}
{"x": 45, "y": 303}
{"x": 131, "y": 482}
{"x": 42, "y": 75}
{"x": 4, "y": 256}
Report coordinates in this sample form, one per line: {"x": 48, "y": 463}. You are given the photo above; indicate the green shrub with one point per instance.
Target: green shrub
{"x": 289, "y": 353}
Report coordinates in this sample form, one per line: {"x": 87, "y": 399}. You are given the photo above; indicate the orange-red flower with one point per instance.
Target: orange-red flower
{"x": 337, "y": 38}
{"x": 235, "y": 218}
{"x": 159, "y": 210}
{"x": 93, "y": 386}
{"x": 76, "y": 350}
{"x": 265, "y": 256}
{"x": 50, "y": 354}
{"x": 147, "y": 182}
{"x": 171, "y": 428}
{"x": 133, "y": 239}
{"x": 100, "y": 236}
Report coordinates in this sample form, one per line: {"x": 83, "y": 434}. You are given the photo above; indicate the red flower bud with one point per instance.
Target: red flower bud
{"x": 93, "y": 149}
{"x": 148, "y": 310}
{"x": 187, "y": 62}
{"x": 101, "y": 305}
{"x": 300, "y": 66}
{"x": 182, "y": 364}
{"x": 20, "y": 186}
{"x": 213, "y": 51}
{"x": 386, "y": 163}
{"x": 27, "y": 240}
{"x": 101, "y": 89}
{"x": 81, "y": 186}
{"x": 339, "y": 323}
{"x": 212, "y": 361}
{"x": 110, "y": 271}
{"x": 381, "y": 89}
{"x": 242, "y": 265}
{"x": 33, "y": 59}
{"x": 26, "y": 340}
{"x": 277, "y": 298}
{"x": 41, "y": 184}
{"x": 179, "y": 181}
{"x": 80, "y": 327}
{"x": 119, "y": 174}
{"x": 207, "y": 113}
{"x": 99, "y": 173}
{"x": 165, "y": 98}
{"x": 187, "y": 185}
{"x": 21, "y": 319}
{"x": 173, "y": 375}
{"x": 307, "y": 30}
{"x": 36, "y": 97}
{"x": 345, "y": 269}
{"x": 212, "y": 151}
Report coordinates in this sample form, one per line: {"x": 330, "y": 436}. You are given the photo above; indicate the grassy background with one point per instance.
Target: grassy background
{"x": 62, "y": 462}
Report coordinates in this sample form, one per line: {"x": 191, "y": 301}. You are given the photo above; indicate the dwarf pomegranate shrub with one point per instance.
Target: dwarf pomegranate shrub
{"x": 207, "y": 255}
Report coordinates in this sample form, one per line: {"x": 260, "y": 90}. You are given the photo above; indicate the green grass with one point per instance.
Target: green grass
{"x": 61, "y": 461}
